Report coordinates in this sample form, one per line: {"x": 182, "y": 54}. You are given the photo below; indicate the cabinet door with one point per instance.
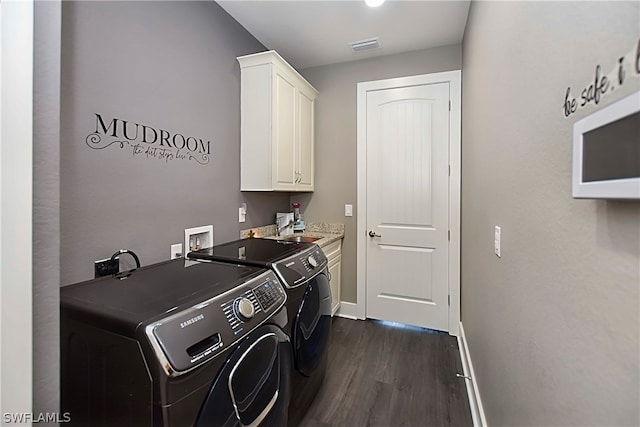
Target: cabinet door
{"x": 284, "y": 132}
{"x": 304, "y": 159}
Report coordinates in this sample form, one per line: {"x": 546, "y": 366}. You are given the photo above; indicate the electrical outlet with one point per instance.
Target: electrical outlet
{"x": 176, "y": 250}
{"x": 106, "y": 267}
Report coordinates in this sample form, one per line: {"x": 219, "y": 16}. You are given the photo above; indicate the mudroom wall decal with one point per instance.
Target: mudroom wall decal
{"x": 603, "y": 84}
{"x": 147, "y": 141}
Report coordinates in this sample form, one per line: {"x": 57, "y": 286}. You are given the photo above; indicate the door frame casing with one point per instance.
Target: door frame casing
{"x": 454, "y": 78}
{"x": 17, "y": 21}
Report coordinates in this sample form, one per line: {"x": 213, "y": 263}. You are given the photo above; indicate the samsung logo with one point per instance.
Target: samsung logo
{"x": 191, "y": 321}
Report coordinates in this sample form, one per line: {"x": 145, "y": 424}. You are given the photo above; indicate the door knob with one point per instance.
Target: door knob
{"x": 372, "y": 234}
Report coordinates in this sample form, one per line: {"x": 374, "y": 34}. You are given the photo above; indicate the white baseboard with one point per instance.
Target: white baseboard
{"x": 348, "y": 310}
{"x": 477, "y": 410}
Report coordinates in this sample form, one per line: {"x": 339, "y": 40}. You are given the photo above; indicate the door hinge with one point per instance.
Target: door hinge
{"x": 449, "y": 105}
{"x": 449, "y": 235}
{"x": 449, "y": 170}
{"x": 449, "y": 300}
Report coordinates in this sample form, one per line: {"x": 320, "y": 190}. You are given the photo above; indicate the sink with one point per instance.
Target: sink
{"x": 301, "y": 239}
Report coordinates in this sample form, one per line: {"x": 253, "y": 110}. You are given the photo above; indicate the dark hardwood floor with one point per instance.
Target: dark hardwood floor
{"x": 380, "y": 375}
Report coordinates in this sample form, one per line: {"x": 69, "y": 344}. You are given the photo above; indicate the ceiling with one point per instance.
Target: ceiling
{"x": 313, "y": 33}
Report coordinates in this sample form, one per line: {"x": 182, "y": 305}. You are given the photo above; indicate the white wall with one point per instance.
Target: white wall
{"x": 553, "y": 326}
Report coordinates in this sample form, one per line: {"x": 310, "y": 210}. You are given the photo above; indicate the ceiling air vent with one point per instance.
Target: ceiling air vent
{"x": 365, "y": 44}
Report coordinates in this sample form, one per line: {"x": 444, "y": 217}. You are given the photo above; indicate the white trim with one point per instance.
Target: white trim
{"x": 16, "y": 207}
{"x": 455, "y": 124}
{"x": 454, "y": 78}
{"x": 361, "y": 229}
{"x": 348, "y": 310}
{"x": 475, "y": 402}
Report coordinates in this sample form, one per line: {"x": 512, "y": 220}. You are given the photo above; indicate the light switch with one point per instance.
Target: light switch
{"x": 242, "y": 212}
{"x": 496, "y": 241}
{"x": 348, "y": 210}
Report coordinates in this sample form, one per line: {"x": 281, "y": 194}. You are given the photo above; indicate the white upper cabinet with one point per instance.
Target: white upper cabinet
{"x": 277, "y": 125}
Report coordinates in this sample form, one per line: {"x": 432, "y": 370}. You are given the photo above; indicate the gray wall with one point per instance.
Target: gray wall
{"x": 46, "y": 206}
{"x": 171, "y": 66}
{"x": 553, "y": 325}
{"x": 336, "y": 137}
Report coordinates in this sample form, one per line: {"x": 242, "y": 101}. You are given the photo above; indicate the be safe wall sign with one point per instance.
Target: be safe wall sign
{"x": 147, "y": 142}
{"x": 603, "y": 84}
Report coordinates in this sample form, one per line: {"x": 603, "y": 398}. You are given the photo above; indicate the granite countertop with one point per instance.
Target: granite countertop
{"x": 325, "y": 232}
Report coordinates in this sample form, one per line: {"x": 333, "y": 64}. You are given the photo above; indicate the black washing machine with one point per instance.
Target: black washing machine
{"x": 302, "y": 269}
{"x": 178, "y": 343}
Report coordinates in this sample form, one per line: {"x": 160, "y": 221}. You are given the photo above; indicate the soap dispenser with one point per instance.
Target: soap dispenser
{"x": 298, "y": 225}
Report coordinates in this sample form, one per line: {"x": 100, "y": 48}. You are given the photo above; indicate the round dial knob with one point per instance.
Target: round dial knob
{"x": 312, "y": 261}
{"x": 244, "y": 309}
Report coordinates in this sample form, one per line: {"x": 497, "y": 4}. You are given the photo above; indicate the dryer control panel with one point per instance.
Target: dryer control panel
{"x": 301, "y": 267}
{"x": 185, "y": 340}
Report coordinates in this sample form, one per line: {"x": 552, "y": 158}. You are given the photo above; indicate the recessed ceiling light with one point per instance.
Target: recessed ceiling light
{"x": 373, "y": 3}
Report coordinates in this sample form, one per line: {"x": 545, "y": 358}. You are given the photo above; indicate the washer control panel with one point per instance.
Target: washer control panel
{"x": 190, "y": 337}
{"x": 260, "y": 299}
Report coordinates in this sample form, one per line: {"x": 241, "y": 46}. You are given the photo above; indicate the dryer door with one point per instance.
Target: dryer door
{"x": 313, "y": 325}
{"x": 252, "y": 388}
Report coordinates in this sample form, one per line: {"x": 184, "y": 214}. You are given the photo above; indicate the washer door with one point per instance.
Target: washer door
{"x": 313, "y": 325}
{"x": 252, "y": 388}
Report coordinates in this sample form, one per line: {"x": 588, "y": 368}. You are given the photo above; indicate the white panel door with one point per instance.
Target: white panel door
{"x": 407, "y": 202}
